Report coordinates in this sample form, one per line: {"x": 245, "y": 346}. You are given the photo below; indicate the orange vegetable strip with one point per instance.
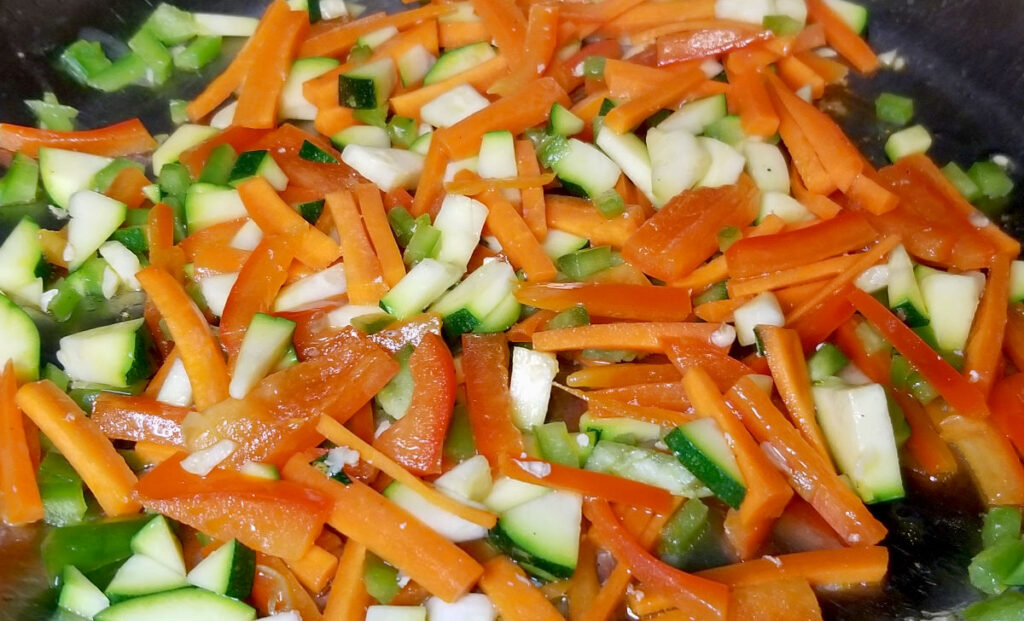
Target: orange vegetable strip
{"x": 340, "y": 435}
{"x": 604, "y": 406}
{"x": 699, "y": 597}
{"x": 523, "y": 331}
{"x": 275, "y": 586}
{"x": 877, "y": 365}
{"x": 203, "y": 360}
{"x": 124, "y": 138}
{"x": 512, "y": 593}
{"x": 271, "y": 61}
{"x": 153, "y": 453}
{"x": 273, "y": 215}
{"x": 485, "y": 364}
{"x": 872, "y": 197}
{"x": 348, "y": 598}
{"x": 158, "y": 379}
{"x": 715, "y": 270}
{"x": 822, "y": 568}
{"x": 228, "y": 81}
{"x": 995, "y": 467}
{"x": 821, "y": 206}
{"x": 927, "y": 449}
{"x": 580, "y": 217}
{"x": 330, "y": 121}
{"x": 622, "y": 374}
{"x": 719, "y": 310}
{"x": 127, "y": 187}
{"x": 53, "y": 244}
{"x": 835, "y": 286}
{"x": 160, "y": 234}
{"x": 20, "y": 502}
{"x": 739, "y": 287}
{"x": 985, "y": 345}
{"x": 259, "y": 282}
{"x": 1007, "y": 403}
{"x": 365, "y": 516}
{"x": 841, "y": 37}
{"x": 749, "y": 97}
{"x": 362, "y": 269}
{"x": 785, "y": 355}
{"x": 1013, "y": 342}
{"x": 507, "y": 27}
{"x": 480, "y": 77}
{"x": 763, "y": 254}
{"x": 126, "y": 417}
{"x": 517, "y": 241}
{"x": 796, "y": 74}
{"x": 830, "y": 70}
{"x": 611, "y": 488}
{"x": 371, "y": 207}
{"x": 470, "y": 185}
{"x": 457, "y": 34}
{"x": 80, "y": 440}
{"x": 690, "y": 353}
{"x": 664, "y": 93}
{"x": 626, "y": 79}
{"x": 639, "y": 302}
{"x": 431, "y": 184}
{"x": 337, "y": 38}
{"x": 801, "y": 151}
{"x": 314, "y": 568}
{"x": 516, "y": 112}
{"x": 632, "y": 336}
{"x": 537, "y": 51}
{"x": 583, "y": 585}
{"x": 533, "y": 205}
{"x": 808, "y": 473}
{"x": 957, "y": 391}
{"x": 649, "y": 14}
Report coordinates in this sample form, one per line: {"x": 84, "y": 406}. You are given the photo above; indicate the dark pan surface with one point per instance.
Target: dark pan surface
{"x": 965, "y": 70}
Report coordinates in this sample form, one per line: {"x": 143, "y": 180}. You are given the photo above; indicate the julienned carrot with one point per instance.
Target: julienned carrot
{"x": 259, "y": 282}
{"x": 688, "y": 353}
{"x": 822, "y": 568}
{"x": 538, "y": 48}
{"x": 876, "y": 365}
{"x": 124, "y": 138}
{"x": 228, "y": 81}
{"x": 649, "y": 14}
{"x": 644, "y": 303}
{"x": 663, "y": 395}
{"x": 1013, "y": 342}
{"x": 580, "y": 217}
{"x": 363, "y": 273}
{"x": 767, "y": 491}
{"x": 335, "y": 39}
{"x": 485, "y": 365}
{"x": 820, "y": 205}
{"x": 929, "y": 453}
{"x": 869, "y": 195}
{"x": 584, "y": 584}
{"x": 457, "y": 34}
{"x": 701, "y": 598}
{"x": 645, "y": 337}
{"x": 516, "y": 112}
{"x": 611, "y": 488}
{"x": 1007, "y": 402}
{"x": 314, "y": 568}
{"x": 626, "y": 79}
{"x": 957, "y": 391}
{"x": 985, "y": 345}
{"x": 796, "y": 74}
{"x": 153, "y": 453}
{"x": 622, "y": 374}
{"x": 80, "y": 440}
{"x": 507, "y": 27}
{"x": 517, "y": 241}
{"x": 664, "y": 93}
{"x": 719, "y": 310}
{"x": 512, "y": 593}
{"x": 126, "y": 417}
{"x": 533, "y": 205}
{"x": 273, "y": 215}
{"x": 160, "y": 235}
{"x": 203, "y": 360}
{"x": 793, "y": 276}
{"x": 480, "y": 77}
{"x": 994, "y": 465}
{"x": 839, "y": 35}
{"x": 331, "y": 120}
{"x": 749, "y": 98}
{"x": 601, "y": 405}
{"x": 20, "y": 502}
{"x": 391, "y": 533}
{"x": 805, "y": 160}
{"x": 271, "y": 61}
{"x": 522, "y": 332}
{"x": 430, "y": 187}
{"x": 468, "y": 184}
{"x": 348, "y": 598}
{"x": 838, "y": 283}
{"x": 371, "y": 207}
{"x": 785, "y": 355}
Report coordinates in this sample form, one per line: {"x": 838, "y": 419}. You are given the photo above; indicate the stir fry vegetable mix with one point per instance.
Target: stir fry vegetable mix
{"x": 481, "y": 291}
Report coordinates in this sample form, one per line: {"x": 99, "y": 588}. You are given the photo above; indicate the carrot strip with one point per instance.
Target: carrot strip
{"x": 20, "y": 502}
{"x": 334, "y": 39}
{"x": 632, "y": 336}
{"x": 271, "y": 61}
{"x": 160, "y": 235}
{"x": 640, "y": 302}
{"x": 671, "y": 87}
{"x": 457, "y": 34}
{"x": 275, "y": 586}
{"x": 749, "y": 97}
{"x": 622, "y": 374}
{"x": 984, "y": 347}
{"x": 371, "y": 207}
{"x": 1013, "y": 342}
{"x": 663, "y": 395}
{"x": 870, "y": 196}
{"x": 596, "y": 484}
{"x": 831, "y": 71}
{"x": 204, "y": 363}
{"x": 430, "y": 188}
{"x": 538, "y": 48}
{"x": 928, "y": 451}
{"x": 533, "y": 205}
{"x": 580, "y": 217}
{"x": 839, "y": 35}
{"x": 273, "y": 215}
{"x": 650, "y": 14}
{"x": 821, "y": 206}
{"x": 485, "y": 364}
{"x": 480, "y": 77}
{"x": 689, "y": 353}
{"x": 957, "y": 391}
{"x": 808, "y": 473}
{"x": 601, "y": 405}
{"x": 841, "y": 567}
{"x": 153, "y": 453}
{"x": 507, "y": 27}
{"x": 583, "y": 585}
{"x": 739, "y": 287}
{"x": 468, "y": 184}
{"x": 523, "y": 331}
{"x": 362, "y": 269}
{"x": 517, "y": 241}
{"x": 995, "y": 468}
{"x": 391, "y": 533}
{"x": 348, "y": 598}
{"x": 80, "y": 440}
{"x": 516, "y": 112}
{"x": 714, "y": 271}
{"x": 513, "y": 594}
{"x": 124, "y": 138}
{"x": 789, "y": 369}
{"x": 796, "y": 74}
{"x": 806, "y": 162}
{"x": 314, "y": 568}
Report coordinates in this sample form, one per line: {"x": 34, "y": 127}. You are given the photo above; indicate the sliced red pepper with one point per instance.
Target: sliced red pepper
{"x": 1007, "y": 405}
{"x": 485, "y": 364}
{"x": 285, "y": 142}
{"x": 125, "y": 417}
{"x": 707, "y": 43}
{"x": 687, "y": 352}
{"x": 124, "y": 138}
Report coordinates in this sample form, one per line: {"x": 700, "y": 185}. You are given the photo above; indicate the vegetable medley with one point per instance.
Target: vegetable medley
{"x": 530, "y": 310}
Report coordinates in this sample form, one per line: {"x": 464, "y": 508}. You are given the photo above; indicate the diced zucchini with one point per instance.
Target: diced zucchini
{"x": 504, "y": 315}
{"x": 20, "y": 257}
{"x": 453, "y": 105}
{"x": 764, "y": 309}
{"x": 506, "y": 493}
{"x": 467, "y": 305}
{"x": 183, "y": 138}
{"x": 951, "y": 300}
{"x": 388, "y": 168}
{"x": 784, "y": 206}
{"x": 471, "y": 607}
{"x": 696, "y": 115}
{"x": 114, "y": 355}
{"x": 424, "y": 283}
{"x": 229, "y": 570}
{"x": 80, "y": 596}
{"x": 460, "y": 220}
{"x": 293, "y": 103}
{"x": 141, "y": 575}
{"x": 530, "y": 388}
{"x": 93, "y": 218}
{"x": 176, "y": 389}
{"x": 216, "y": 289}
{"x": 123, "y": 261}
{"x": 258, "y": 164}
{"x": 443, "y": 522}
{"x": 206, "y": 205}
{"x": 581, "y": 167}
{"x": 497, "y": 158}
{"x": 678, "y": 162}
{"x": 645, "y": 465}
{"x": 914, "y": 139}
{"x": 201, "y": 605}
{"x": 157, "y": 541}
{"x": 365, "y": 135}
{"x": 701, "y": 446}
{"x": 225, "y": 25}
{"x": 323, "y": 285}
{"x": 767, "y": 166}
{"x": 962, "y": 181}
{"x": 628, "y": 430}
{"x": 855, "y": 15}
{"x": 752, "y": 11}
{"x": 905, "y": 297}
{"x": 470, "y": 480}
{"x": 65, "y": 172}
{"x": 630, "y": 154}
{"x": 265, "y": 341}
{"x": 455, "y": 61}
{"x": 396, "y": 613}
{"x": 544, "y": 533}
{"x": 1017, "y": 281}
{"x": 414, "y": 65}
{"x": 726, "y": 163}
{"x": 563, "y": 122}
{"x": 559, "y": 243}
{"x": 368, "y": 86}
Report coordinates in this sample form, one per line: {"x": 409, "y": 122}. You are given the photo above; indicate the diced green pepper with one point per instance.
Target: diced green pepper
{"x": 556, "y": 445}
{"x": 130, "y": 69}
{"x": 84, "y": 59}
{"x": 21, "y": 182}
{"x": 101, "y": 182}
{"x": 402, "y": 224}
{"x": 714, "y": 293}
{"x": 569, "y": 318}
{"x": 402, "y": 130}
{"x": 90, "y": 545}
{"x": 1006, "y": 607}
{"x": 1001, "y": 524}
{"x": 991, "y": 179}
{"x": 159, "y": 64}
{"x": 311, "y": 211}
{"x": 51, "y": 114}
{"x": 991, "y": 568}
{"x": 61, "y": 490}
{"x": 381, "y": 579}
{"x": 610, "y": 204}
{"x": 728, "y": 236}
{"x": 962, "y": 181}
{"x": 593, "y": 66}
{"x": 200, "y": 52}
{"x": 894, "y": 109}
{"x": 218, "y": 167}
{"x": 423, "y": 242}
{"x": 171, "y": 25}
{"x": 458, "y": 443}
{"x": 782, "y": 25}
{"x": 825, "y": 362}
{"x": 579, "y": 264}
{"x": 682, "y": 532}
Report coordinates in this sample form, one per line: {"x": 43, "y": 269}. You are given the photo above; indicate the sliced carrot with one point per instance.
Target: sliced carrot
{"x": 362, "y": 268}
{"x": 485, "y": 364}
{"x": 480, "y": 77}
{"x": 841, "y": 37}
{"x": 314, "y": 568}
{"x": 371, "y": 207}
{"x": 517, "y": 241}
{"x": 430, "y": 188}
{"x": 20, "y": 502}
{"x": 640, "y": 302}
{"x": 821, "y": 206}
{"x": 785, "y": 355}
{"x": 664, "y": 93}
{"x": 822, "y": 568}
{"x": 139, "y": 419}
{"x": 663, "y": 395}
{"x": 867, "y": 194}
{"x": 203, "y": 360}
{"x": 466, "y": 183}
{"x": 124, "y": 138}
{"x": 522, "y": 332}
{"x": 622, "y": 374}
{"x": 805, "y": 160}
{"x": 507, "y": 27}
{"x": 275, "y": 586}
{"x": 994, "y": 466}
{"x": 601, "y": 405}
{"x": 516, "y": 113}
{"x": 831, "y": 71}
{"x": 687, "y": 353}
{"x": 391, "y": 533}
{"x": 271, "y": 61}
{"x": 80, "y": 440}
{"x": 650, "y": 14}
{"x": 719, "y": 310}
{"x": 631, "y": 336}
{"x": 348, "y": 598}
{"x": 512, "y": 593}
{"x": 533, "y": 205}
{"x": 457, "y": 34}
{"x": 985, "y": 345}
{"x": 626, "y": 79}
{"x": 712, "y": 272}
{"x": 1013, "y": 342}
{"x": 808, "y": 472}
{"x": 929, "y": 452}
{"x": 337, "y": 37}
{"x": 331, "y": 120}
{"x": 811, "y": 272}
{"x": 580, "y": 217}
{"x": 538, "y": 48}
{"x": 160, "y": 235}
{"x": 796, "y": 74}
{"x": 583, "y": 585}
{"x": 273, "y": 215}
{"x": 153, "y": 453}
{"x": 749, "y": 98}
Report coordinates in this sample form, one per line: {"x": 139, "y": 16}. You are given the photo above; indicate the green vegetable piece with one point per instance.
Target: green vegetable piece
{"x": 962, "y": 181}
{"x": 992, "y": 567}
{"x": 378, "y": 117}
{"x": 200, "y": 52}
{"x": 1006, "y": 607}
{"x": 171, "y": 25}
{"x": 174, "y": 180}
{"x": 825, "y": 362}
{"x": 311, "y": 211}
{"x": 90, "y": 545}
{"x": 402, "y": 224}
{"x": 51, "y": 114}
{"x": 782, "y": 25}
{"x": 556, "y": 445}
{"x": 895, "y": 109}
{"x": 402, "y": 130}
{"x": 127, "y": 70}
{"x": 991, "y": 179}
{"x": 159, "y": 64}
{"x": 56, "y": 375}
{"x": 423, "y": 242}
{"x": 218, "y": 166}
{"x": 569, "y": 318}
{"x": 1001, "y": 524}
{"x": 609, "y": 355}
{"x": 459, "y": 444}
{"x": 84, "y": 59}
{"x": 61, "y": 490}
{"x": 593, "y": 66}
{"x": 101, "y": 182}
{"x": 381, "y": 579}
{"x": 714, "y": 293}
{"x": 683, "y": 531}
{"x": 610, "y": 204}
{"x": 133, "y": 238}
{"x": 21, "y": 182}
{"x": 579, "y": 264}
{"x": 313, "y": 153}
{"x": 728, "y": 129}
{"x": 728, "y": 236}
{"x": 177, "y": 110}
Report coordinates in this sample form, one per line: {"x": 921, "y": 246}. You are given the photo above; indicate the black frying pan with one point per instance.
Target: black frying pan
{"x": 965, "y": 71}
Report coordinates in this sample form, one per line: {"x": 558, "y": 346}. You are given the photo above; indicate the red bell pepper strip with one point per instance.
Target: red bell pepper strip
{"x": 124, "y": 138}
{"x": 485, "y": 364}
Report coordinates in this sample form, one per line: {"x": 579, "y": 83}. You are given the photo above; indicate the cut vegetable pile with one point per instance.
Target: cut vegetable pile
{"x": 491, "y": 309}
